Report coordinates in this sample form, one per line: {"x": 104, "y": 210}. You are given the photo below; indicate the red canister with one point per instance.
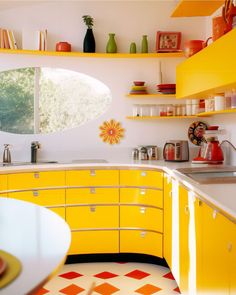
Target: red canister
{"x": 63, "y": 46}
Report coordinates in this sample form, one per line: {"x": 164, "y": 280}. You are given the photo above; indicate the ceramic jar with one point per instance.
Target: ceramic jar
{"x": 111, "y": 44}
{"x": 144, "y": 44}
{"x": 63, "y": 46}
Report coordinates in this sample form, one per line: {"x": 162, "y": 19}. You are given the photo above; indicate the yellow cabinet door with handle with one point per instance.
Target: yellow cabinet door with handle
{"x": 141, "y": 241}
{"x": 92, "y": 177}
{"x": 3, "y": 185}
{"x": 168, "y": 220}
{"x": 215, "y": 278}
{"x": 232, "y": 249}
{"x": 91, "y": 242}
{"x": 141, "y": 178}
{"x": 184, "y": 260}
{"x": 141, "y": 217}
{"x": 80, "y": 217}
{"x": 142, "y": 196}
{"x": 36, "y": 180}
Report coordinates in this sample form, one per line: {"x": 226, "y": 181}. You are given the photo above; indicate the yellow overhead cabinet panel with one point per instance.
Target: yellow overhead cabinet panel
{"x": 141, "y": 217}
{"x": 144, "y": 242}
{"x": 92, "y": 177}
{"x": 92, "y": 217}
{"x": 183, "y": 240}
{"x": 36, "y": 180}
{"x": 60, "y": 211}
{"x": 91, "y": 242}
{"x": 211, "y": 70}
{"x": 196, "y": 7}
{"x": 3, "y": 182}
{"x": 92, "y": 196}
{"x": 141, "y": 178}
{"x": 215, "y": 275}
{"x": 41, "y": 197}
{"x": 142, "y": 196}
{"x": 168, "y": 220}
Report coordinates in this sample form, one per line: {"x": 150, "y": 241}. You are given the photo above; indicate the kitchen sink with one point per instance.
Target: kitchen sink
{"x": 211, "y": 175}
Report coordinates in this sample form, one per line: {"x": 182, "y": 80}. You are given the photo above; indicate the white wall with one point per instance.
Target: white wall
{"x": 129, "y": 20}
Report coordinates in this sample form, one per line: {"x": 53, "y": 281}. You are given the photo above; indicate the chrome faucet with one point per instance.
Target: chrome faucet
{"x": 35, "y": 145}
{"x": 6, "y": 154}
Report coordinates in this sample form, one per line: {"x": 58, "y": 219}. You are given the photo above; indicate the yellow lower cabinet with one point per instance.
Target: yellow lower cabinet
{"x": 92, "y": 177}
{"x": 80, "y": 217}
{"x": 92, "y": 196}
{"x": 215, "y": 277}
{"x": 232, "y": 258}
{"x": 3, "y": 183}
{"x": 143, "y": 196}
{"x": 61, "y": 211}
{"x": 141, "y": 217}
{"x": 141, "y": 178}
{"x": 41, "y": 197}
{"x": 143, "y": 242}
{"x": 89, "y": 242}
{"x": 168, "y": 220}
{"x": 36, "y": 179}
{"x": 184, "y": 266}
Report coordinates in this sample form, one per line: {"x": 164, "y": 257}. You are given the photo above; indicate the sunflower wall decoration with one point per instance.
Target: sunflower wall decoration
{"x": 111, "y": 131}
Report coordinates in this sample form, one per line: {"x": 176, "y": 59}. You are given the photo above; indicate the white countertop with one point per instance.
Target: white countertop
{"x": 38, "y": 237}
{"x": 222, "y": 196}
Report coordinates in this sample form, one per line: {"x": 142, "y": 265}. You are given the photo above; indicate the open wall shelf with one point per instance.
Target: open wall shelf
{"x": 230, "y": 111}
{"x": 150, "y": 95}
{"x": 159, "y": 117}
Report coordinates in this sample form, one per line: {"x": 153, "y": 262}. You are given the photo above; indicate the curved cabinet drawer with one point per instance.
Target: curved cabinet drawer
{"x": 141, "y": 217}
{"x": 143, "y": 242}
{"x": 141, "y": 178}
{"x": 41, "y": 197}
{"x": 60, "y": 211}
{"x": 92, "y": 196}
{"x": 3, "y": 182}
{"x": 92, "y": 217}
{"x": 92, "y": 177}
{"x": 36, "y": 180}
{"x": 142, "y": 196}
{"x": 91, "y": 242}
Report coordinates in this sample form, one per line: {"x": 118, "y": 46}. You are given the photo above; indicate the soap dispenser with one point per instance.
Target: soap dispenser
{"x": 6, "y": 154}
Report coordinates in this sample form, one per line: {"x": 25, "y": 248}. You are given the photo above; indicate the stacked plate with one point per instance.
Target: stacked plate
{"x": 138, "y": 88}
{"x": 166, "y": 88}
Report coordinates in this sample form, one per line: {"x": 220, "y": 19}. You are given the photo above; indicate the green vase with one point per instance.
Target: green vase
{"x": 144, "y": 45}
{"x": 132, "y": 48}
{"x": 111, "y": 44}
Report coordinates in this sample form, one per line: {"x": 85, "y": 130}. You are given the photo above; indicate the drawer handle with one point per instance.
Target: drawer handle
{"x": 92, "y": 190}
{"x": 186, "y": 210}
{"x": 142, "y": 210}
{"x": 92, "y": 173}
{"x": 142, "y": 191}
{"x": 143, "y": 173}
{"x": 35, "y": 193}
{"x": 143, "y": 234}
{"x": 36, "y": 175}
{"x": 92, "y": 208}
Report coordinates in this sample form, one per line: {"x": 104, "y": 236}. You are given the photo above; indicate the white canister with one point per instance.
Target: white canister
{"x": 219, "y": 102}
{"x": 188, "y": 107}
{"x": 195, "y": 106}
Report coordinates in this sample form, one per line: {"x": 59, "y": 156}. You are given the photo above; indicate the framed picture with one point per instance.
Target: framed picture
{"x": 168, "y": 41}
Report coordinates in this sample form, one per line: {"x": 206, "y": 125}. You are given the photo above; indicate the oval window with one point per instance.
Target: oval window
{"x": 45, "y": 100}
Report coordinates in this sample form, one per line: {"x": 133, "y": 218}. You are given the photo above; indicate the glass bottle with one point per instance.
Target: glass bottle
{"x": 111, "y": 44}
{"x": 132, "y": 48}
{"x": 144, "y": 45}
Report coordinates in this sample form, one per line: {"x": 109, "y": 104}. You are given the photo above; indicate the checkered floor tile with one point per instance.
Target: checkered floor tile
{"x": 112, "y": 278}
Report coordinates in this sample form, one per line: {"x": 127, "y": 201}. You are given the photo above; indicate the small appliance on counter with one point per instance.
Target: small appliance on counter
{"x": 176, "y": 151}
{"x": 148, "y": 152}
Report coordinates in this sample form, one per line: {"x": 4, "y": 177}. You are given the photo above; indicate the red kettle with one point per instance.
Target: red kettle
{"x": 213, "y": 152}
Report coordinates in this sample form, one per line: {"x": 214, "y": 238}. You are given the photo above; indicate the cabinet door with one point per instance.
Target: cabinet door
{"x": 143, "y": 242}
{"x": 36, "y": 180}
{"x": 92, "y": 177}
{"x": 141, "y": 178}
{"x": 3, "y": 182}
{"x": 168, "y": 220}
{"x": 142, "y": 196}
{"x": 92, "y": 217}
{"x": 91, "y": 242}
{"x": 92, "y": 196}
{"x": 141, "y": 217}
{"x": 232, "y": 249}
{"x": 184, "y": 266}
{"x": 215, "y": 254}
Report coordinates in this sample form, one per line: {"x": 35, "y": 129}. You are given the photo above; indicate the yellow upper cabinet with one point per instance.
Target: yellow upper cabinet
{"x": 211, "y": 70}
{"x": 141, "y": 178}
{"x": 196, "y": 8}
{"x": 92, "y": 177}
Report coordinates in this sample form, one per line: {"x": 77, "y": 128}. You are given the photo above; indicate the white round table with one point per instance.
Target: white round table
{"x": 38, "y": 237}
